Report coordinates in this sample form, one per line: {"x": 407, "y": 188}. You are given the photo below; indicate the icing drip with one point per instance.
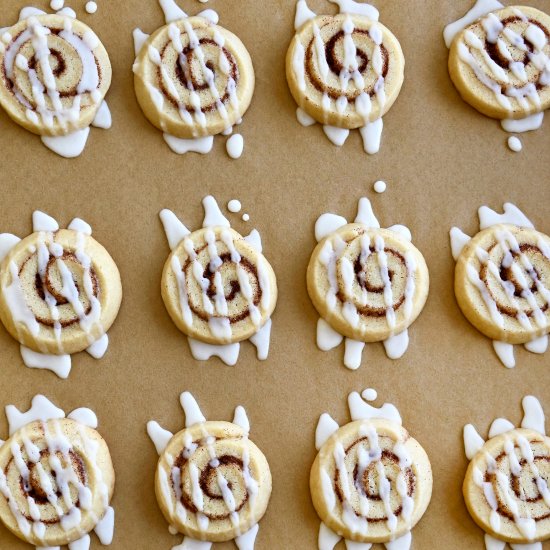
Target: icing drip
{"x": 139, "y": 39}
{"x": 193, "y": 414}
{"x": 328, "y": 539}
{"x": 303, "y": 118}
{"x": 192, "y": 544}
{"x": 473, "y": 442}
{"x": 359, "y": 8}
{"x": 171, "y": 11}
{"x": 229, "y": 353}
{"x": 246, "y": 541}
{"x": 158, "y": 435}
{"x": 397, "y": 345}
{"x": 527, "y": 124}
{"x": 372, "y": 136}
{"x": 43, "y": 222}
{"x": 103, "y": 118}
{"x": 303, "y": 14}
{"x": 105, "y": 527}
{"x": 353, "y": 352}
{"x": 325, "y": 428}
{"x": 540, "y": 345}
{"x": 505, "y": 353}
{"x": 336, "y": 135}
{"x": 41, "y": 409}
{"x": 533, "y": 415}
{"x": 7, "y": 242}
{"x": 84, "y": 416}
{"x": 500, "y": 426}
{"x": 197, "y": 145}
{"x": 481, "y": 8}
{"x": 459, "y": 240}
{"x": 327, "y": 224}
{"x": 70, "y": 146}
{"x": 59, "y": 364}
{"x": 212, "y": 214}
{"x": 99, "y": 348}
{"x": 327, "y": 337}
{"x": 261, "y": 341}
{"x": 360, "y": 410}
{"x": 235, "y": 146}
{"x": 173, "y": 227}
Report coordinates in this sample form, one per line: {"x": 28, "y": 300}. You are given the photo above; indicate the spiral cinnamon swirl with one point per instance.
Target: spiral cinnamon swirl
{"x": 212, "y": 482}
{"x": 502, "y": 283}
{"x": 59, "y": 291}
{"x": 506, "y": 488}
{"x": 193, "y": 78}
{"x": 54, "y": 74}
{"x": 56, "y": 481}
{"x": 371, "y": 482}
{"x": 217, "y": 287}
{"x": 367, "y": 283}
{"x": 344, "y": 70}
{"x": 500, "y": 64}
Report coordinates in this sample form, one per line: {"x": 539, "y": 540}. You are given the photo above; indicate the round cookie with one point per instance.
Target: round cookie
{"x": 499, "y": 63}
{"x": 41, "y": 462}
{"x": 371, "y": 482}
{"x": 506, "y": 487}
{"x": 502, "y": 283}
{"x": 368, "y": 284}
{"x": 344, "y": 70}
{"x": 193, "y": 78}
{"x": 59, "y": 292}
{"x": 212, "y": 482}
{"x": 55, "y": 74}
{"x": 218, "y": 288}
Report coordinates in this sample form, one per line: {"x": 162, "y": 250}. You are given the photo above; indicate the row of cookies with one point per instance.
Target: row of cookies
{"x": 371, "y": 482}
{"x": 194, "y": 79}
{"x": 60, "y": 290}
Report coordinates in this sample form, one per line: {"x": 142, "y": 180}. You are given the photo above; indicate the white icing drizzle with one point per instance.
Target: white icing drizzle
{"x": 173, "y": 227}
{"x": 360, "y": 410}
{"x": 303, "y": 14}
{"x": 353, "y": 353}
{"x": 328, "y": 539}
{"x": 171, "y": 11}
{"x": 397, "y": 345}
{"x": 103, "y": 118}
{"x": 99, "y": 348}
{"x": 327, "y": 224}
{"x": 70, "y": 146}
{"x": 481, "y": 8}
{"x": 84, "y": 416}
{"x": 158, "y": 435}
{"x": 7, "y": 242}
{"x": 58, "y": 364}
{"x": 197, "y": 145}
{"x": 325, "y": 428}
{"x": 515, "y": 144}
{"x": 229, "y": 353}
{"x": 303, "y": 118}
{"x": 473, "y": 442}
{"x": 533, "y": 415}
{"x": 359, "y": 8}
{"x": 193, "y": 414}
{"x": 192, "y": 544}
{"x": 527, "y": 124}
{"x": 261, "y": 341}
{"x": 336, "y": 135}
{"x": 105, "y": 527}
{"x": 235, "y": 146}
{"x": 248, "y": 539}
{"x": 540, "y": 345}
{"x": 372, "y": 136}
{"x": 29, "y": 11}
{"x": 43, "y": 222}
{"x": 327, "y": 337}
{"x": 505, "y": 353}
{"x": 459, "y": 240}
{"x": 140, "y": 38}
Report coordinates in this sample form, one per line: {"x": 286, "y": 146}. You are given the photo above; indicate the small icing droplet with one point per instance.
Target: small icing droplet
{"x": 246, "y": 217}
{"x": 234, "y": 206}
{"x": 369, "y": 394}
{"x": 515, "y": 144}
{"x": 380, "y": 186}
{"x": 57, "y": 4}
{"x": 235, "y": 146}
{"x": 91, "y": 7}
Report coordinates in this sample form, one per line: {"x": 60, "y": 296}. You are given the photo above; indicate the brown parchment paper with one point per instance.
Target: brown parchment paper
{"x": 441, "y": 160}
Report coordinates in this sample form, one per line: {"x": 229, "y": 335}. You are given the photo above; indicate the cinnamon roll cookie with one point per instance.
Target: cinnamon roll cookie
{"x": 56, "y": 477}
{"x": 368, "y": 284}
{"x": 212, "y": 483}
{"x": 193, "y": 79}
{"x": 344, "y": 71}
{"x": 499, "y": 62}
{"x": 506, "y": 485}
{"x": 60, "y": 292}
{"x": 218, "y": 287}
{"x": 55, "y": 74}
{"x": 502, "y": 281}
{"x": 371, "y": 482}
